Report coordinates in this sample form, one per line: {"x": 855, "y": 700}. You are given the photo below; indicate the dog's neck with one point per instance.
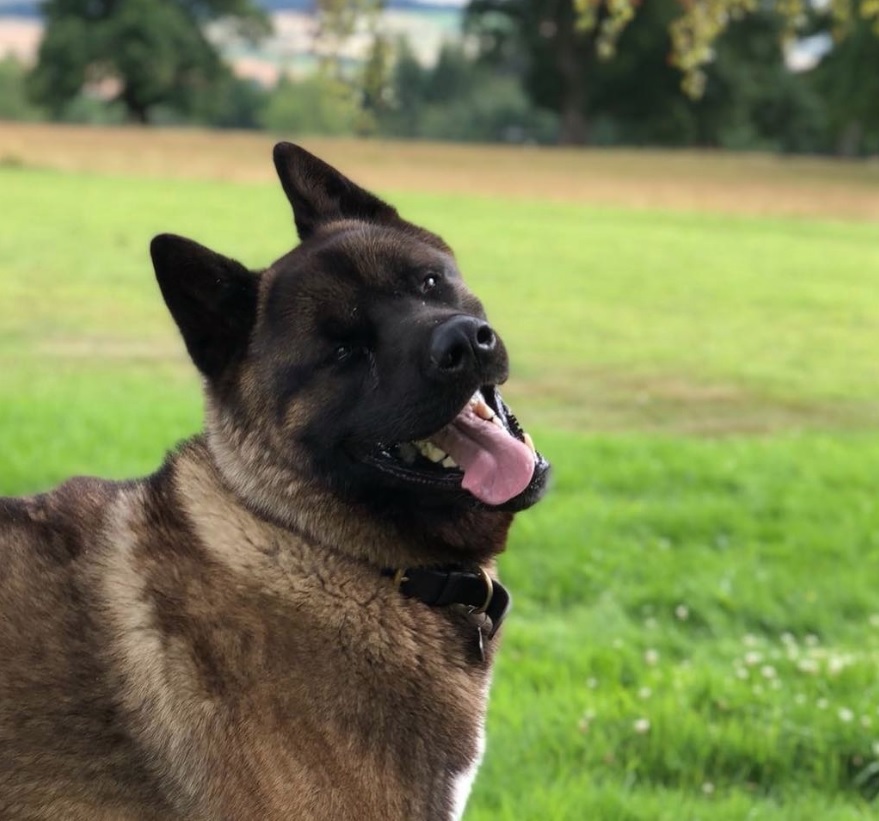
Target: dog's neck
{"x": 307, "y": 507}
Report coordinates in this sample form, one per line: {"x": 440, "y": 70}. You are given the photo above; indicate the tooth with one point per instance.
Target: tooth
{"x": 483, "y": 411}
{"x": 448, "y": 462}
{"x": 434, "y": 453}
{"x": 530, "y": 442}
{"x": 429, "y": 451}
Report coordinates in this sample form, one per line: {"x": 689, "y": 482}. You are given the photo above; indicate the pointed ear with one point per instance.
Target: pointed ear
{"x": 212, "y": 299}
{"x": 319, "y": 193}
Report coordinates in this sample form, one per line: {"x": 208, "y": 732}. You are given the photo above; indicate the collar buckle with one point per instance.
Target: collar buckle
{"x": 489, "y": 592}
{"x": 475, "y": 590}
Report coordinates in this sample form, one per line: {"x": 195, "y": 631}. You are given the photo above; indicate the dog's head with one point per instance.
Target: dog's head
{"x": 360, "y": 357}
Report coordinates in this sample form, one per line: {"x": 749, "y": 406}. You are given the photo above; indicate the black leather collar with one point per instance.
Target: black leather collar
{"x": 441, "y": 588}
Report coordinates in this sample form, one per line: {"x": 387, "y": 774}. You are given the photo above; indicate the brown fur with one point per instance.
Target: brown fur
{"x": 217, "y": 641}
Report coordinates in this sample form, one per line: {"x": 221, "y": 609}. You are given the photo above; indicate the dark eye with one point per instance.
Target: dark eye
{"x": 343, "y": 352}
{"x": 429, "y": 283}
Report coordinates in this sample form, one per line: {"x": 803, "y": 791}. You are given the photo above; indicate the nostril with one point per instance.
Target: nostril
{"x": 485, "y": 337}
{"x": 453, "y": 357}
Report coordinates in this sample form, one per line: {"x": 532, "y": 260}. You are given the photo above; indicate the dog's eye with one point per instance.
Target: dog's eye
{"x": 348, "y": 351}
{"x": 429, "y": 283}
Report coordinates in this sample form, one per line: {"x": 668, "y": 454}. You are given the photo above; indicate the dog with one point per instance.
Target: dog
{"x": 296, "y": 616}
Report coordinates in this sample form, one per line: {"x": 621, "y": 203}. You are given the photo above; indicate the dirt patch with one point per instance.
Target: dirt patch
{"x": 749, "y": 184}
{"x": 610, "y": 401}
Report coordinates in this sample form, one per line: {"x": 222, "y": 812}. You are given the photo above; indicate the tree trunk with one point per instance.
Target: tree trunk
{"x": 574, "y": 58}
{"x": 135, "y": 111}
{"x": 138, "y": 115}
{"x": 574, "y": 125}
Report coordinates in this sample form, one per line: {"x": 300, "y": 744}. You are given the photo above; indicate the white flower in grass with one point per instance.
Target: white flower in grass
{"x": 809, "y": 666}
{"x": 753, "y": 658}
{"x": 788, "y": 638}
{"x": 749, "y": 640}
{"x": 874, "y": 620}
{"x": 651, "y": 657}
{"x": 812, "y": 640}
{"x": 741, "y": 673}
{"x": 645, "y": 693}
{"x": 650, "y": 623}
{"x": 866, "y": 721}
{"x": 591, "y": 682}
{"x": 875, "y": 748}
{"x": 642, "y": 726}
{"x": 845, "y": 714}
{"x": 682, "y": 612}
{"x": 836, "y": 664}
{"x": 768, "y": 671}
{"x": 800, "y": 698}
{"x": 586, "y": 721}
{"x": 822, "y": 704}
{"x": 708, "y": 788}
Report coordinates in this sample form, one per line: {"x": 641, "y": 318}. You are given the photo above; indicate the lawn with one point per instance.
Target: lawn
{"x": 696, "y": 629}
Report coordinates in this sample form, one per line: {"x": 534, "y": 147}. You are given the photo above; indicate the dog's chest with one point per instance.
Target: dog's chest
{"x": 388, "y": 713}
{"x": 351, "y": 689}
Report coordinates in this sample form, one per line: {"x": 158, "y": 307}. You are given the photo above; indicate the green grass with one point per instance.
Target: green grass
{"x": 696, "y": 627}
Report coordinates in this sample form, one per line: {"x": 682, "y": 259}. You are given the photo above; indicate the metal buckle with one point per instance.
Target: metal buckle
{"x": 400, "y": 577}
{"x": 489, "y": 590}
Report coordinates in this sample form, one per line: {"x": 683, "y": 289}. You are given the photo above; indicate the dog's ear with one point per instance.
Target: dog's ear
{"x": 212, "y": 299}
{"x": 319, "y": 193}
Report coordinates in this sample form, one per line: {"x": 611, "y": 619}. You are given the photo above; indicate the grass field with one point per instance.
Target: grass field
{"x": 696, "y": 630}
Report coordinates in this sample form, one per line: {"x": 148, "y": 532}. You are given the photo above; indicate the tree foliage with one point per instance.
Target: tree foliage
{"x": 317, "y": 105}
{"x": 153, "y": 53}
{"x": 700, "y": 23}
{"x": 566, "y": 51}
{"x": 14, "y": 105}
{"x": 462, "y": 100}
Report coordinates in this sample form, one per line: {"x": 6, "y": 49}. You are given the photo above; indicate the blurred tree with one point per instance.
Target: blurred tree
{"x": 556, "y": 55}
{"x": 752, "y": 100}
{"x": 703, "y": 21}
{"x": 408, "y": 85}
{"x": 232, "y": 102}
{"x": 155, "y": 52}
{"x": 14, "y": 104}
{"x": 316, "y": 105}
{"x": 560, "y": 46}
{"x": 847, "y": 80}
{"x": 375, "y": 83}
{"x": 460, "y": 99}
{"x": 338, "y": 21}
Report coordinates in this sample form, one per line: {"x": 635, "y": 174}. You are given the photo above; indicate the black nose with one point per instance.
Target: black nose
{"x": 460, "y": 344}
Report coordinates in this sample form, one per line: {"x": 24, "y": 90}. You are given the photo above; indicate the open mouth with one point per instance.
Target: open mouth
{"x": 483, "y": 451}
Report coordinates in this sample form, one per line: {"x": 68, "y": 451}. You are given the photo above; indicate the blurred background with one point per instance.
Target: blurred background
{"x": 792, "y": 76}
{"x": 669, "y": 209}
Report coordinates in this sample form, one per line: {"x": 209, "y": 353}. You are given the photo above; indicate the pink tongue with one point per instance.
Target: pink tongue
{"x": 496, "y": 466}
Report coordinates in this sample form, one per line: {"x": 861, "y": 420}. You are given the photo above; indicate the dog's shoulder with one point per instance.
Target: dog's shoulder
{"x": 59, "y": 525}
